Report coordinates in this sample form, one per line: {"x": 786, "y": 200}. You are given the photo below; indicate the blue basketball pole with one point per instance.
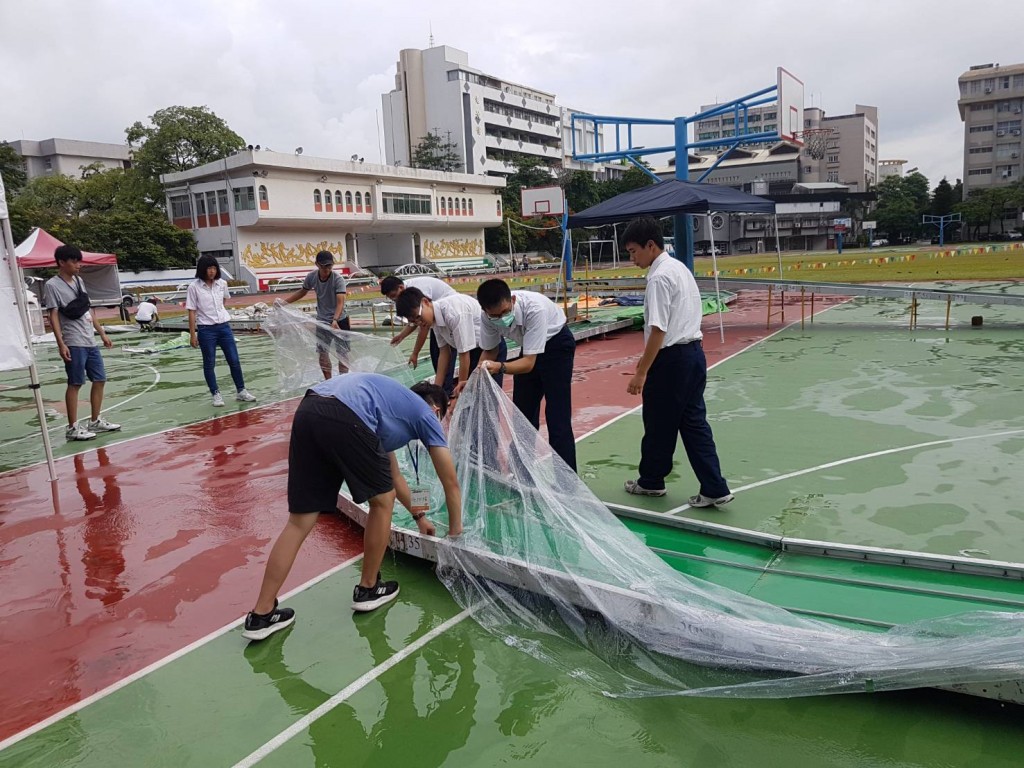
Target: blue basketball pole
{"x": 683, "y": 224}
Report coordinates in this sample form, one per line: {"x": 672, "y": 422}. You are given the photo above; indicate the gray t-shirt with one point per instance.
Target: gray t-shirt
{"x": 326, "y": 294}
{"x": 56, "y": 294}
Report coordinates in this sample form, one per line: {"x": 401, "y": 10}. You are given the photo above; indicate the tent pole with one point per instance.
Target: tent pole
{"x": 7, "y": 245}
{"x": 714, "y": 266}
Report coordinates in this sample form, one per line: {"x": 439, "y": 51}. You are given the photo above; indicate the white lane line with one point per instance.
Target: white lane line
{"x": 852, "y": 459}
{"x": 115, "y": 687}
{"x": 59, "y": 427}
{"x": 299, "y": 726}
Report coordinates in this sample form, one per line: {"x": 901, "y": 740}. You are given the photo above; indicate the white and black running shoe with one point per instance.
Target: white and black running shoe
{"x": 369, "y": 598}
{"x": 259, "y": 626}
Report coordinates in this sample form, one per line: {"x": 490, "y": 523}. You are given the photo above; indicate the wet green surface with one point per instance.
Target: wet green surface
{"x": 944, "y": 406}
{"x": 465, "y": 699}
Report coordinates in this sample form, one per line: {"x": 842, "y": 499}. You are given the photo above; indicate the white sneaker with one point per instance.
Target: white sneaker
{"x": 218, "y": 400}
{"x": 78, "y": 432}
{"x": 102, "y": 425}
{"x": 244, "y": 396}
{"x": 700, "y": 500}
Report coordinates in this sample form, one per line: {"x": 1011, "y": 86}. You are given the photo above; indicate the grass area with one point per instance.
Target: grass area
{"x": 862, "y": 266}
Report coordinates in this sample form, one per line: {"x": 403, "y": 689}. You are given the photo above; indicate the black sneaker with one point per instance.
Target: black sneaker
{"x": 369, "y": 598}
{"x": 259, "y": 626}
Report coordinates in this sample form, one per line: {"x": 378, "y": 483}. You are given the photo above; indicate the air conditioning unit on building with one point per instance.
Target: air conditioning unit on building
{"x": 988, "y": 90}
{"x": 1000, "y": 133}
{"x": 1016, "y": 132}
{"x": 1014, "y": 154}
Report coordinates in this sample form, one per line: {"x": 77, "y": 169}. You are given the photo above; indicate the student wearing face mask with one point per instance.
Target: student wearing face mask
{"x": 347, "y": 429}
{"x": 544, "y": 370}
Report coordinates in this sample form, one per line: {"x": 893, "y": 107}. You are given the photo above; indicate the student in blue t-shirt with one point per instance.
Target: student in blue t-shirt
{"x": 347, "y": 429}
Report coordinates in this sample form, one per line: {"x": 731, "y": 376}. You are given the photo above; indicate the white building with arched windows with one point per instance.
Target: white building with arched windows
{"x": 267, "y": 214}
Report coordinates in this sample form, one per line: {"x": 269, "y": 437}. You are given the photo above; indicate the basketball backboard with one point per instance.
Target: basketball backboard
{"x": 542, "y": 201}
{"x": 791, "y": 107}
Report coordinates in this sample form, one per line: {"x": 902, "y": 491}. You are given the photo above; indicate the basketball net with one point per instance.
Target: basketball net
{"x": 815, "y": 140}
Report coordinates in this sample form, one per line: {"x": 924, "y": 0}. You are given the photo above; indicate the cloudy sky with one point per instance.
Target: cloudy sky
{"x": 310, "y": 74}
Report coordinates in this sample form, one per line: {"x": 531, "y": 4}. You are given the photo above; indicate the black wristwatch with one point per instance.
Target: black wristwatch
{"x": 502, "y": 369}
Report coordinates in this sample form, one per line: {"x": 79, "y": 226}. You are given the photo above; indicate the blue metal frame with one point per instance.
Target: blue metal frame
{"x": 681, "y": 148}
{"x": 941, "y": 221}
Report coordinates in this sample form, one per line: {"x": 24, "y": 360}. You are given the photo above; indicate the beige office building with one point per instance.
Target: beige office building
{"x": 991, "y": 104}
{"x": 67, "y": 157}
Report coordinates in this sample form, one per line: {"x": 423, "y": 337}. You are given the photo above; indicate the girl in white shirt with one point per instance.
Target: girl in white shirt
{"x": 209, "y": 327}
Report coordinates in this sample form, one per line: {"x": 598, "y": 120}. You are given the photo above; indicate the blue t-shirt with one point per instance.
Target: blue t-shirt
{"x": 396, "y": 414}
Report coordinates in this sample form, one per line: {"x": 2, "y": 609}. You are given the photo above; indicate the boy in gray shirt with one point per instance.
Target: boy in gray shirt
{"x": 73, "y": 325}
{"x": 330, "y": 310}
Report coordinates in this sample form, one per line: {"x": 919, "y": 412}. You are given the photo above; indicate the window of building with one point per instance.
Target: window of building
{"x": 451, "y": 207}
{"x": 979, "y": 150}
{"x": 770, "y": 127}
{"x": 980, "y": 129}
{"x": 407, "y": 204}
{"x": 771, "y": 115}
{"x": 337, "y": 200}
{"x": 986, "y": 107}
{"x": 1004, "y": 106}
{"x": 833, "y": 158}
{"x": 833, "y": 176}
{"x": 200, "y": 200}
{"x": 470, "y": 206}
{"x": 497, "y": 206}
{"x": 211, "y": 207}
{"x": 264, "y": 199}
{"x": 976, "y": 86}
{"x": 180, "y": 208}
{"x": 318, "y": 200}
{"x": 245, "y": 199}
{"x": 48, "y": 164}
{"x": 222, "y": 205}
{"x": 1007, "y": 151}
{"x": 1005, "y": 81}
{"x": 444, "y": 207}
{"x": 359, "y": 202}
{"x": 979, "y": 172}
{"x": 463, "y": 206}
{"x": 328, "y": 197}
{"x": 348, "y": 201}
{"x": 366, "y": 202}
{"x": 1018, "y": 81}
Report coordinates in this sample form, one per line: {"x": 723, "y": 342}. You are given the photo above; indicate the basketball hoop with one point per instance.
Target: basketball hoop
{"x": 815, "y": 140}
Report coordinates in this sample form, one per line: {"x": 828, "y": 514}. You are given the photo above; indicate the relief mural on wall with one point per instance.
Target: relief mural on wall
{"x": 262, "y": 254}
{"x": 455, "y": 248}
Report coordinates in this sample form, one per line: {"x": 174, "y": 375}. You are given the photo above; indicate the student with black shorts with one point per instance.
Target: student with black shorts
{"x": 347, "y": 429}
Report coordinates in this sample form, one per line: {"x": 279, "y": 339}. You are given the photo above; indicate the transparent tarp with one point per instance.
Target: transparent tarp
{"x": 544, "y": 565}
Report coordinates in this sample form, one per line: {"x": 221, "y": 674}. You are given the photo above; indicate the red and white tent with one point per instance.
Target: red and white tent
{"x": 99, "y": 270}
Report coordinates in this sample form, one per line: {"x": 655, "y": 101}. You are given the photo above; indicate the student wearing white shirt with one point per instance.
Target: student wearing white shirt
{"x": 209, "y": 327}
{"x": 544, "y": 369}
{"x": 672, "y": 372}
{"x": 434, "y": 289}
{"x": 455, "y": 321}
{"x": 146, "y": 314}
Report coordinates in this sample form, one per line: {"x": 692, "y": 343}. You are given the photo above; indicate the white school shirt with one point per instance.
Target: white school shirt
{"x": 431, "y": 287}
{"x": 208, "y": 301}
{"x": 537, "y": 319}
{"x": 457, "y": 322}
{"x": 672, "y": 302}
{"x": 145, "y": 312}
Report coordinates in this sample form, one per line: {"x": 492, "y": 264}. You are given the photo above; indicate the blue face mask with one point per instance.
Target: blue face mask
{"x": 505, "y": 321}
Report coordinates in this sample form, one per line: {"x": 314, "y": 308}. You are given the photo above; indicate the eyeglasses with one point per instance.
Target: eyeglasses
{"x": 415, "y": 319}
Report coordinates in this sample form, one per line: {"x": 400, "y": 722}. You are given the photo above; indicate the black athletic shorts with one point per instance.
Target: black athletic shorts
{"x": 331, "y": 445}
{"x": 326, "y": 340}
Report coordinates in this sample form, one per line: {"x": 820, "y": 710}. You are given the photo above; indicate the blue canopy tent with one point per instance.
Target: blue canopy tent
{"x": 675, "y": 197}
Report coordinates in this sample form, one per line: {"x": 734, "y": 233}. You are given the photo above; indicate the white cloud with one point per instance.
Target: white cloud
{"x": 310, "y": 74}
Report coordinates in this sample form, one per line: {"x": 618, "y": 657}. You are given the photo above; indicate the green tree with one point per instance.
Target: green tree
{"x": 942, "y": 198}
{"x": 177, "y": 139}
{"x": 581, "y": 190}
{"x": 979, "y": 209}
{"x": 958, "y": 192}
{"x": 436, "y": 154}
{"x": 897, "y": 211}
{"x": 141, "y": 239}
{"x": 12, "y": 168}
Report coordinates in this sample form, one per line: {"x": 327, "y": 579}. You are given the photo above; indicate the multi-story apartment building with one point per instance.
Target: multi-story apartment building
{"x": 67, "y": 157}
{"x": 267, "y": 214}
{"x": 489, "y": 120}
{"x": 991, "y": 106}
{"x": 764, "y": 118}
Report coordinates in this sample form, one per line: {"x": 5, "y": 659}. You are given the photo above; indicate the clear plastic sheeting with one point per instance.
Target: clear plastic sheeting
{"x": 299, "y": 341}
{"x": 545, "y": 566}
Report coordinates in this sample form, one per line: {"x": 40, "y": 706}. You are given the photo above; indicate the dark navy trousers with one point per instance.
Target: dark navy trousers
{"x": 551, "y": 381}
{"x": 673, "y": 404}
